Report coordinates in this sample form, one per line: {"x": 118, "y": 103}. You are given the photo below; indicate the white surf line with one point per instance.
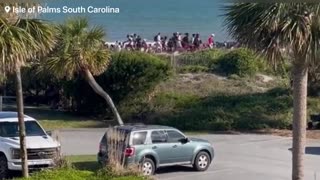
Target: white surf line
{"x": 196, "y": 174}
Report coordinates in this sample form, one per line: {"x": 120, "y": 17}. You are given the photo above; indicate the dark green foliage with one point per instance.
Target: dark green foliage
{"x": 35, "y": 85}
{"x": 133, "y": 73}
{"x": 130, "y": 75}
{"x": 193, "y": 69}
{"x": 239, "y": 61}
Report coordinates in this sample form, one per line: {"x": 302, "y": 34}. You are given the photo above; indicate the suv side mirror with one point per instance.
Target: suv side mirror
{"x": 184, "y": 141}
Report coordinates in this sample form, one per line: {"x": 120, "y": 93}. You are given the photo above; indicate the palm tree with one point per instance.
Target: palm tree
{"x": 81, "y": 51}
{"x": 275, "y": 28}
{"x": 22, "y": 40}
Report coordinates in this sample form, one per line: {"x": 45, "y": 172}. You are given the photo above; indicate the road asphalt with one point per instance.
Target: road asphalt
{"x": 237, "y": 157}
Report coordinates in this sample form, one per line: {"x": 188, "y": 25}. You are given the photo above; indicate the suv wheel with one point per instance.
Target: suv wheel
{"x": 3, "y": 167}
{"x": 148, "y": 167}
{"x": 202, "y": 161}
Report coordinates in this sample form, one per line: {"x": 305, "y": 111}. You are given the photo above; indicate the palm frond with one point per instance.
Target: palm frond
{"x": 275, "y": 28}
{"x": 79, "y": 47}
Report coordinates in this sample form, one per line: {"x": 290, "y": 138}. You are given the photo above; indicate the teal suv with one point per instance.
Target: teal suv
{"x": 154, "y": 146}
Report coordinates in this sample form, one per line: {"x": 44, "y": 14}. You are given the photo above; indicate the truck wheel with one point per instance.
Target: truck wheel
{"x": 3, "y": 167}
{"x": 148, "y": 167}
{"x": 202, "y": 161}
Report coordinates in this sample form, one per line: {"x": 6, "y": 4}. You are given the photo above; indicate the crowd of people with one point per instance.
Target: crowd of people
{"x": 177, "y": 42}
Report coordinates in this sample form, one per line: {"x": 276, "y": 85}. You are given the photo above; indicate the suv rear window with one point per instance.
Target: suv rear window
{"x": 139, "y": 138}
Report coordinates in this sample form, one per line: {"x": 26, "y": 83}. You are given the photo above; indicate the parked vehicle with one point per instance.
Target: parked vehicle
{"x": 154, "y": 146}
{"x": 41, "y": 148}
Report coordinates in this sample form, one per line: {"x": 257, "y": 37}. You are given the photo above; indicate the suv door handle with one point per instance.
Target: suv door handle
{"x": 174, "y": 146}
{"x": 154, "y": 147}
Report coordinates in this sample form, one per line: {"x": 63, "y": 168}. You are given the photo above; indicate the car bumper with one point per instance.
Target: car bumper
{"x": 32, "y": 164}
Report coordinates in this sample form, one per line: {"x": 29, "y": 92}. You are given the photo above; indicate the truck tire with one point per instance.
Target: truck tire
{"x": 4, "y": 171}
{"x": 202, "y": 161}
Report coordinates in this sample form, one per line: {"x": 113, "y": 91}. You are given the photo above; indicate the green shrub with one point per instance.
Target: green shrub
{"x": 134, "y": 72}
{"x": 240, "y": 62}
{"x": 220, "y": 112}
{"x": 130, "y": 75}
{"x": 193, "y": 69}
{"x": 206, "y": 58}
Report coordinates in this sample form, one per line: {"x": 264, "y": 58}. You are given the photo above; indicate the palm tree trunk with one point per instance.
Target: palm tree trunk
{"x": 98, "y": 89}
{"x": 22, "y": 130}
{"x": 300, "y": 80}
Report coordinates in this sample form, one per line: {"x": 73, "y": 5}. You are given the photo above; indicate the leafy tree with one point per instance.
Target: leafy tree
{"x": 275, "y": 29}
{"x": 21, "y": 41}
{"x": 81, "y": 51}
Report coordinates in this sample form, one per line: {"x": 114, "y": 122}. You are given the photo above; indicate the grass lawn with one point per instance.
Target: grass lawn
{"x": 53, "y": 119}
{"x": 84, "y": 162}
{"x": 84, "y": 167}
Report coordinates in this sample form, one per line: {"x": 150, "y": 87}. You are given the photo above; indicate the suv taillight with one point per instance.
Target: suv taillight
{"x": 129, "y": 151}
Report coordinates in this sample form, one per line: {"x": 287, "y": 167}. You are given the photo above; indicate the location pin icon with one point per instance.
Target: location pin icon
{"x": 7, "y": 9}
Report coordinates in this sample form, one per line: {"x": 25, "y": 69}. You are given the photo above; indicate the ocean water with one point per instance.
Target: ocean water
{"x": 148, "y": 17}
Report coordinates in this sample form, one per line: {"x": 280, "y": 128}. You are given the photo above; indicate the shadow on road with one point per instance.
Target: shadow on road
{"x": 174, "y": 169}
{"x": 311, "y": 150}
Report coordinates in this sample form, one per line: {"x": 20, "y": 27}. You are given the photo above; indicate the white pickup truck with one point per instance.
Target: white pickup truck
{"x": 41, "y": 148}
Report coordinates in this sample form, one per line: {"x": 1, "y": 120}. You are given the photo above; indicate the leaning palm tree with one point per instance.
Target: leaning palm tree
{"x": 81, "y": 51}
{"x": 274, "y": 29}
{"x": 22, "y": 40}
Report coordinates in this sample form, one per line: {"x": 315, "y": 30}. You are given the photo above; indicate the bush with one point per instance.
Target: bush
{"x": 193, "y": 69}
{"x": 221, "y": 112}
{"x": 133, "y": 73}
{"x": 206, "y": 58}
{"x": 240, "y": 62}
{"x": 130, "y": 75}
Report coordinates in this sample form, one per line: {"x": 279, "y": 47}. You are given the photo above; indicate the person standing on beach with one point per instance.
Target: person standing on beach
{"x": 158, "y": 45}
{"x": 185, "y": 41}
{"x": 138, "y": 43}
{"x": 170, "y": 44}
{"x": 192, "y": 41}
{"x": 211, "y": 41}
{"x": 197, "y": 42}
{"x": 164, "y": 43}
{"x": 179, "y": 41}
{"x": 145, "y": 45}
{"x": 129, "y": 43}
{"x": 134, "y": 40}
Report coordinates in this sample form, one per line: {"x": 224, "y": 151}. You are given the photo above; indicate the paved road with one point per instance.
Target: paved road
{"x": 240, "y": 157}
